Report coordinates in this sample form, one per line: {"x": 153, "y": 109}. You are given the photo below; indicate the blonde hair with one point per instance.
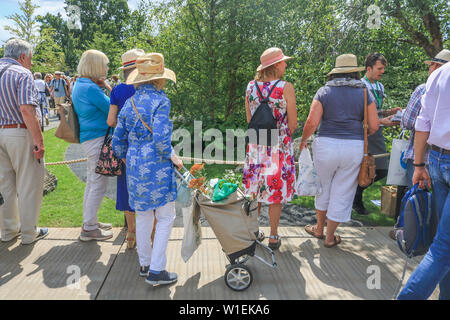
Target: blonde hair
{"x": 93, "y": 64}
{"x": 269, "y": 72}
{"x": 159, "y": 84}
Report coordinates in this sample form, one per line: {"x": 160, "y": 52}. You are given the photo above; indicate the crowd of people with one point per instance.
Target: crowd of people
{"x": 139, "y": 111}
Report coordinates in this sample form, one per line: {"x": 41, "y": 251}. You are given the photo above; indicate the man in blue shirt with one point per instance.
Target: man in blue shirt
{"x": 59, "y": 88}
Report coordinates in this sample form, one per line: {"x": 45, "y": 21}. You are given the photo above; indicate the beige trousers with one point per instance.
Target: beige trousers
{"x": 59, "y": 100}
{"x": 21, "y": 184}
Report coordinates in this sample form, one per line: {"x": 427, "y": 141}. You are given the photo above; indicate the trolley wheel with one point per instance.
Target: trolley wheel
{"x": 238, "y": 277}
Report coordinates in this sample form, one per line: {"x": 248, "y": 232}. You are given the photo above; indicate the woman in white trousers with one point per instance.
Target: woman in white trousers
{"x": 338, "y": 149}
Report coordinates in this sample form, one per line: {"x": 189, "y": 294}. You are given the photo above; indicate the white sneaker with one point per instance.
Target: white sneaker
{"x": 97, "y": 234}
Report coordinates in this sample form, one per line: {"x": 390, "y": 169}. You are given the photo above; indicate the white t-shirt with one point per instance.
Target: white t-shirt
{"x": 40, "y": 85}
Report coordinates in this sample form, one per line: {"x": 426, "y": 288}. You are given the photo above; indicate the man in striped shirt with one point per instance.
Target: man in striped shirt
{"x": 21, "y": 146}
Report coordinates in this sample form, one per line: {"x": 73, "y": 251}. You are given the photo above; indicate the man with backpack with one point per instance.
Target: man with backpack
{"x": 432, "y": 128}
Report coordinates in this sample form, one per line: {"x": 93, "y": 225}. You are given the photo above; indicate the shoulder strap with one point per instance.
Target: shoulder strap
{"x": 366, "y": 125}
{"x": 270, "y": 92}
{"x": 135, "y": 110}
{"x": 4, "y": 69}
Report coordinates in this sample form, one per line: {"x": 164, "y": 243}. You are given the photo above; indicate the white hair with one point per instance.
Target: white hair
{"x": 15, "y": 47}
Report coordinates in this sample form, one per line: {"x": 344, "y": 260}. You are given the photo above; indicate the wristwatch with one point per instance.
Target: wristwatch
{"x": 419, "y": 164}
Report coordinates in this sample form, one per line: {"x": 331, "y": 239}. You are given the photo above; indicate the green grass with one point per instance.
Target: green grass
{"x": 64, "y": 206}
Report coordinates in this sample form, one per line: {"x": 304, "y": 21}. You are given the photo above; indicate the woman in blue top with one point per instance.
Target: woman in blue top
{"x": 143, "y": 139}
{"x": 119, "y": 95}
{"x": 91, "y": 106}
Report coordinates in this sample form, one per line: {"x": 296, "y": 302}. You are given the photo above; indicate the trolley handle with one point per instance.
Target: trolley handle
{"x": 182, "y": 177}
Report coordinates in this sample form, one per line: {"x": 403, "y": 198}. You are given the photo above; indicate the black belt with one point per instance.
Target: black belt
{"x": 440, "y": 150}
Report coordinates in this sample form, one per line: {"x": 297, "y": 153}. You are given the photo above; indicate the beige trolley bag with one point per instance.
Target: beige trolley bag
{"x": 234, "y": 221}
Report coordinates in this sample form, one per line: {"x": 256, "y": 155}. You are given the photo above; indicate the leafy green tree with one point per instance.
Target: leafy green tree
{"x": 112, "y": 49}
{"x": 25, "y": 25}
{"x": 48, "y": 55}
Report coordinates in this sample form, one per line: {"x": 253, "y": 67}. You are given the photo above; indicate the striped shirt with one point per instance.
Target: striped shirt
{"x": 409, "y": 120}
{"x": 16, "y": 88}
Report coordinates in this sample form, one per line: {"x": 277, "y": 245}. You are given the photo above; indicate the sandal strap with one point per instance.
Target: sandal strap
{"x": 275, "y": 237}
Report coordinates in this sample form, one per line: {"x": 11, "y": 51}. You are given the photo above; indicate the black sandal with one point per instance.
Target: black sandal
{"x": 276, "y": 245}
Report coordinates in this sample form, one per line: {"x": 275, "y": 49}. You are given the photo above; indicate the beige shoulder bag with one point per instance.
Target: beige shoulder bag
{"x": 367, "y": 171}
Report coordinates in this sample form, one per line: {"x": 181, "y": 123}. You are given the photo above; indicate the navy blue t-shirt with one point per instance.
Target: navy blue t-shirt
{"x": 121, "y": 93}
{"x": 343, "y": 112}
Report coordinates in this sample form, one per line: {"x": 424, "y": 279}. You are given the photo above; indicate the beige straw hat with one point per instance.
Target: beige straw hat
{"x": 129, "y": 58}
{"x": 270, "y": 57}
{"x": 346, "y": 63}
{"x": 441, "y": 58}
{"x": 150, "y": 67}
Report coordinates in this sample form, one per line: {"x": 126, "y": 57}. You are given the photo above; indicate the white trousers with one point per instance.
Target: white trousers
{"x": 337, "y": 162}
{"x": 95, "y": 184}
{"x": 21, "y": 184}
{"x": 154, "y": 257}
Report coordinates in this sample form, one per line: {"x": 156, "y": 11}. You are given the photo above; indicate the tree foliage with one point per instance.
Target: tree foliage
{"x": 214, "y": 45}
{"x": 25, "y": 25}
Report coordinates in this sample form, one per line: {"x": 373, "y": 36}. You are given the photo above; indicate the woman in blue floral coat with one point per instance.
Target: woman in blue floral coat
{"x": 143, "y": 139}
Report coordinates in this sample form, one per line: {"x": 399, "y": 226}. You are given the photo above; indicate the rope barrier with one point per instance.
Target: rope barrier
{"x": 194, "y": 160}
{"x": 65, "y": 162}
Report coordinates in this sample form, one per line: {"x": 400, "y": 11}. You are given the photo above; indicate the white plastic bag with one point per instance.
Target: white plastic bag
{"x": 397, "y": 174}
{"x": 308, "y": 183}
{"x": 192, "y": 231}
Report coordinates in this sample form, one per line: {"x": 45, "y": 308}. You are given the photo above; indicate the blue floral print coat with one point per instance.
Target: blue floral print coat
{"x": 150, "y": 173}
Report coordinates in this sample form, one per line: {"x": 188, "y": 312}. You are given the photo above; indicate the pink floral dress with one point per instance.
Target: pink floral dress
{"x": 269, "y": 172}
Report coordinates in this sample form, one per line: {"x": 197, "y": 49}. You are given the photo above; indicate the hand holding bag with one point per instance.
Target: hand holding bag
{"x": 367, "y": 171}
{"x": 108, "y": 164}
{"x": 308, "y": 183}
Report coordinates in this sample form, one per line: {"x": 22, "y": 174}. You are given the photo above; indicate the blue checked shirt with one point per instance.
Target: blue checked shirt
{"x": 409, "y": 120}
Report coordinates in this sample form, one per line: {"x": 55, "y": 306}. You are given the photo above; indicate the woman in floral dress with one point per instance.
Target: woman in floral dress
{"x": 269, "y": 171}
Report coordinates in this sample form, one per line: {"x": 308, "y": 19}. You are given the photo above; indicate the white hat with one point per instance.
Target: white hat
{"x": 441, "y": 58}
{"x": 129, "y": 58}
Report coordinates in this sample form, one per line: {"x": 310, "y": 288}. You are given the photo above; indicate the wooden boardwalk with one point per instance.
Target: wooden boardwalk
{"x": 107, "y": 270}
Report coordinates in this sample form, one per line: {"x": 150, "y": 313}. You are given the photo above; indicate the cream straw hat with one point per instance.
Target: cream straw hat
{"x": 150, "y": 67}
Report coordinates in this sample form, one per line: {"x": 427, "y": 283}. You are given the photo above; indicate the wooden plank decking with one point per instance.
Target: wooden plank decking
{"x": 108, "y": 271}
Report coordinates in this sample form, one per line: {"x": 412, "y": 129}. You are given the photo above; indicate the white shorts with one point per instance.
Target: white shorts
{"x": 337, "y": 162}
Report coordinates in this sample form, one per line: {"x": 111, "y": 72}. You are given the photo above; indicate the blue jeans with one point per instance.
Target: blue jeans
{"x": 434, "y": 268}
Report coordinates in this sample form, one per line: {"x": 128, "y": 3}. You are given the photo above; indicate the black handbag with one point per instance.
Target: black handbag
{"x": 108, "y": 164}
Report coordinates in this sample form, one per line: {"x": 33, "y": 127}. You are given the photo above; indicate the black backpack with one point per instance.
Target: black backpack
{"x": 263, "y": 121}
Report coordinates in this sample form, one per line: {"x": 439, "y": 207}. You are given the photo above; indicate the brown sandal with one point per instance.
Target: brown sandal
{"x": 131, "y": 240}
{"x": 337, "y": 240}
{"x": 312, "y": 231}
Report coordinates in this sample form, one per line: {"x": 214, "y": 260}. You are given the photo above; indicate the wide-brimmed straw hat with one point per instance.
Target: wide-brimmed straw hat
{"x": 150, "y": 67}
{"x": 129, "y": 58}
{"x": 270, "y": 57}
{"x": 441, "y": 58}
{"x": 346, "y": 63}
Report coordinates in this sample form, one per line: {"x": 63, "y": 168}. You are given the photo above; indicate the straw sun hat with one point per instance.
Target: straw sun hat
{"x": 441, "y": 58}
{"x": 346, "y": 63}
{"x": 150, "y": 67}
{"x": 129, "y": 58}
{"x": 270, "y": 57}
